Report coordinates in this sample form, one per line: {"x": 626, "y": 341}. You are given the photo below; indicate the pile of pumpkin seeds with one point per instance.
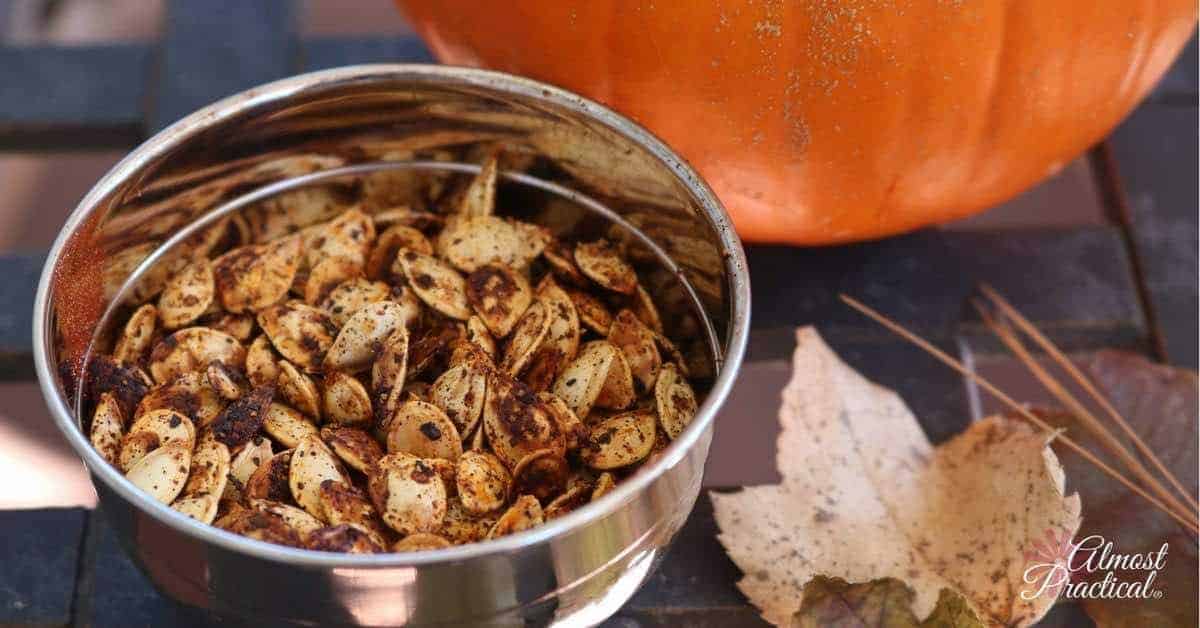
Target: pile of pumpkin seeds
{"x": 339, "y": 389}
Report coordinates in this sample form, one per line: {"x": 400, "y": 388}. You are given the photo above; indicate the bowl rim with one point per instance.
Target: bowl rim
{"x": 280, "y": 91}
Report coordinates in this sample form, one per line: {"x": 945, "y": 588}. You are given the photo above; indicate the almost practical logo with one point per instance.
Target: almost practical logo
{"x": 1057, "y": 566}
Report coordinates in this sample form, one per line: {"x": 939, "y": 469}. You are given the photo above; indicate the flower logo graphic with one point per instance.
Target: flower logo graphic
{"x": 1048, "y": 562}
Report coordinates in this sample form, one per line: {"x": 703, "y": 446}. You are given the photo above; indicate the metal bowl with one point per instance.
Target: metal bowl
{"x": 577, "y": 569}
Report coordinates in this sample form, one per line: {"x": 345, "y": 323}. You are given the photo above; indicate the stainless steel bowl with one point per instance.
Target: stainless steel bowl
{"x": 575, "y": 570}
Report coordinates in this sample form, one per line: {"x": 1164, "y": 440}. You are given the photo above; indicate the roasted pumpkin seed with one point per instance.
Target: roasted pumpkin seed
{"x": 459, "y": 392}
{"x": 388, "y": 373}
{"x": 137, "y": 335}
{"x": 250, "y": 278}
{"x": 354, "y": 446}
{"x": 295, "y": 518}
{"x": 162, "y": 472}
{"x": 262, "y": 365}
{"x": 298, "y": 389}
{"x": 170, "y": 427}
{"x": 592, "y": 312}
{"x": 187, "y": 294}
{"x": 350, "y": 296}
{"x": 107, "y": 426}
{"x": 421, "y": 429}
{"x": 524, "y": 514}
{"x": 202, "y": 508}
{"x": 209, "y": 470}
{"x": 618, "y": 392}
{"x": 356, "y": 343}
{"x": 189, "y": 394}
{"x": 479, "y": 334}
{"x": 389, "y": 243}
{"x": 601, "y": 263}
{"x": 249, "y": 458}
{"x": 574, "y": 497}
{"x": 270, "y": 479}
{"x": 573, "y": 430}
{"x": 579, "y": 384}
{"x": 636, "y": 341}
{"x": 242, "y": 419}
{"x": 471, "y": 242}
{"x": 299, "y": 332}
{"x": 483, "y": 482}
{"x": 312, "y": 463}
{"x": 435, "y": 283}
{"x": 193, "y": 349}
{"x": 345, "y": 538}
{"x": 287, "y": 426}
{"x": 408, "y": 493}
{"x": 516, "y": 423}
{"x": 328, "y": 274}
{"x": 345, "y": 504}
{"x": 499, "y": 295}
{"x": 542, "y": 473}
{"x": 419, "y": 542}
{"x": 346, "y": 400}
{"x": 528, "y": 335}
{"x": 619, "y": 441}
{"x": 674, "y": 400}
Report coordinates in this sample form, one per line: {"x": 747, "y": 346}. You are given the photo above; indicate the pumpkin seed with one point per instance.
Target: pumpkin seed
{"x": 483, "y": 482}
{"x": 674, "y": 400}
{"x": 162, "y": 472}
{"x": 390, "y": 242}
{"x": 528, "y": 335}
{"x": 202, "y": 508}
{"x": 326, "y": 275}
{"x": 600, "y": 262}
{"x": 636, "y": 342}
{"x": 645, "y": 310}
{"x": 242, "y": 419}
{"x": 346, "y": 399}
{"x": 420, "y": 542}
{"x": 580, "y": 383}
{"x": 299, "y": 332}
{"x": 562, "y": 336}
{"x": 479, "y": 199}
{"x": 270, "y": 479}
{"x": 107, "y": 423}
{"x": 187, "y": 294}
{"x": 350, "y": 296}
{"x": 189, "y": 394}
{"x": 355, "y": 345}
{"x": 480, "y": 336}
{"x": 423, "y": 430}
{"x": 192, "y": 349}
{"x": 470, "y": 242}
{"x": 262, "y": 366}
{"x": 591, "y": 310}
{"x": 524, "y": 514}
{"x": 171, "y": 428}
{"x": 516, "y": 423}
{"x": 499, "y": 297}
{"x": 405, "y": 215}
{"x": 388, "y": 372}
{"x": 574, "y": 497}
{"x": 438, "y": 285}
{"x": 354, "y": 446}
{"x": 344, "y": 538}
{"x": 618, "y": 391}
{"x": 345, "y": 504}
{"x": 250, "y": 278}
{"x": 561, "y": 261}
{"x": 261, "y": 526}
{"x": 134, "y": 447}
{"x": 408, "y": 493}
{"x": 349, "y": 236}
{"x": 249, "y": 458}
{"x": 573, "y": 430}
{"x": 136, "y": 336}
{"x": 461, "y": 526}
{"x": 542, "y": 473}
{"x": 126, "y": 382}
{"x": 209, "y": 470}
{"x": 605, "y": 483}
{"x": 291, "y": 211}
{"x": 287, "y": 426}
{"x": 227, "y": 382}
{"x": 619, "y": 441}
{"x": 312, "y": 463}
{"x": 298, "y": 389}
{"x": 295, "y": 518}
{"x": 459, "y": 392}
{"x": 665, "y": 346}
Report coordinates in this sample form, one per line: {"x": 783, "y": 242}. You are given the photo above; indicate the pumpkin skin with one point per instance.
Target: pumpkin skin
{"x": 824, "y": 121}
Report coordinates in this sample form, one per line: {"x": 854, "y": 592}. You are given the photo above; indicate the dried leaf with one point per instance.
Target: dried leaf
{"x": 865, "y": 496}
{"x": 884, "y": 603}
{"x": 1159, "y": 402}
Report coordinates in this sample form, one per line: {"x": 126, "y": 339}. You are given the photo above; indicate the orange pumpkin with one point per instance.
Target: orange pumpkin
{"x": 821, "y": 121}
